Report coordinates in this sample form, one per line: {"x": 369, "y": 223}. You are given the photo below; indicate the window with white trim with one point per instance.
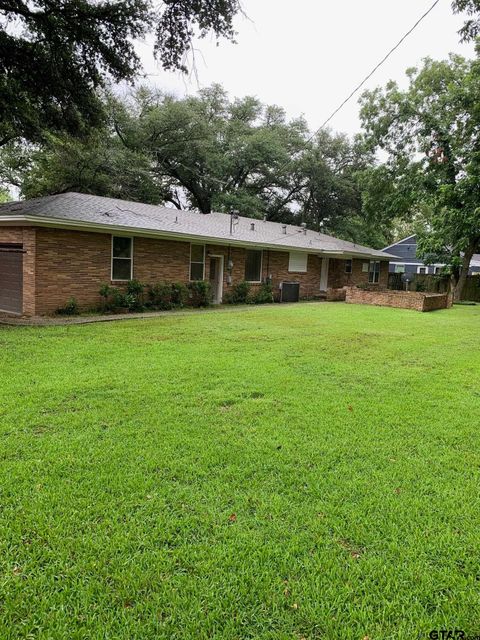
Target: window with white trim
{"x": 197, "y": 261}
{"x": 122, "y": 258}
{"x": 438, "y": 271}
{"x": 297, "y": 261}
{"x": 374, "y": 272}
{"x": 422, "y": 271}
{"x": 399, "y": 268}
{"x": 348, "y": 266}
{"x": 253, "y": 265}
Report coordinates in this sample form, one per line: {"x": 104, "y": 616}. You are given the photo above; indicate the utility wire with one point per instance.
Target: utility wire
{"x": 382, "y": 61}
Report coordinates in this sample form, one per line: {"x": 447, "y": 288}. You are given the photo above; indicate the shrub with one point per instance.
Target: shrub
{"x": 110, "y": 296}
{"x": 70, "y": 308}
{"x": 264, "y": 295}
{"x": 134, "y": 295}
{"x": 161, "y": 296}
{"x": 179, "y": 294}
{"x": 239, "y": 293}
{"x": 132, "y": 299}
{"x": 199, "y": 293}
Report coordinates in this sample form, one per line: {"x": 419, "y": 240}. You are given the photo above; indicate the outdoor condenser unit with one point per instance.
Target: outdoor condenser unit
{"x": 289, "y": 291}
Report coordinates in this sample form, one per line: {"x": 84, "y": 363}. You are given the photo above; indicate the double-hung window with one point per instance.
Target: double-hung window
{"x": 197, "y": 261}
{"x": 348, "y": 266}
{"x": 253, "y": 265}
{"x": 374, "y": 272}
{"x": 122, "y": 258}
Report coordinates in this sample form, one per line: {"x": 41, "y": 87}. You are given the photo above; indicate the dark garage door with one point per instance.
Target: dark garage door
{"x": 11, "y": 279}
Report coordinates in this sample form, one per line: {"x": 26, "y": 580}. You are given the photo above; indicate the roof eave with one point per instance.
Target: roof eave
{"x": 61, "y": 223}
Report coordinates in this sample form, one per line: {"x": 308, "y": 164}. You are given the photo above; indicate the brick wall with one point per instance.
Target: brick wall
{"x": 76, "y": 263}
{"x": 70, "y": 263}
{"x": 400, "y": 299}
{"x": 337, "y": 277}
{"x": 60, "y": 263}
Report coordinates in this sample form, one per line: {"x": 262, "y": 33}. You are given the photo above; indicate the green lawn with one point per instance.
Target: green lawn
{"x": 308, "y": 471}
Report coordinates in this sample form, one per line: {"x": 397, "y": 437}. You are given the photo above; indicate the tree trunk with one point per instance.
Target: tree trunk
{"x": 467, "y": 257}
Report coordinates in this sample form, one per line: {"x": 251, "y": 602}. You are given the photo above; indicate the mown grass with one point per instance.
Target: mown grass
{"x": 308, "y": 471}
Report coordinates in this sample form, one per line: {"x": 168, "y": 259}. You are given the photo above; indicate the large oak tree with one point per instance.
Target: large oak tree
{"x": 56, "y": 54}
{"x": 208, "y": 153}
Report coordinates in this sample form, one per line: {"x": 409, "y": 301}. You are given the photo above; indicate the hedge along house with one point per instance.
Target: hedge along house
{"x": 67, "y": 245}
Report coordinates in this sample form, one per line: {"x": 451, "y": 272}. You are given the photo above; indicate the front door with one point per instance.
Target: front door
{"x": 216, "y": 278}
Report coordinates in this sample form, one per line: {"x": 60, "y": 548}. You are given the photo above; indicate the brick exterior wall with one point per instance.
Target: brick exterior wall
{"x": 399, "y": 299}
{"x": 61, "y": 263}
{"x": 337, "y": 277}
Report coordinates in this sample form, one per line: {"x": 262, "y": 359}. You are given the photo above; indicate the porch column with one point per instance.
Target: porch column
{"x": 324, "y": 275}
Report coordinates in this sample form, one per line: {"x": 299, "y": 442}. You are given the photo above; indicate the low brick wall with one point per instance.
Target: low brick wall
{"x": 336, "y": 295}
{"x": 416, "y": 300}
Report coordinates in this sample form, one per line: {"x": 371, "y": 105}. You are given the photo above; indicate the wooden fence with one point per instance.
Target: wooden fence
{"x": 435, "y": 284}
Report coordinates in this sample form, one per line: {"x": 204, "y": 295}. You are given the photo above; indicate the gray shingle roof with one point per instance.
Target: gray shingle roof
{"x": 92, "y": 210}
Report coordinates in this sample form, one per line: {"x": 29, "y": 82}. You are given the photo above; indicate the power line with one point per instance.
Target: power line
{"x": 382, "y": 61}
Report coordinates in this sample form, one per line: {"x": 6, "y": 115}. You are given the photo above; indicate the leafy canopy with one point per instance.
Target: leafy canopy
{"x": 208, "y": 153}
{"x": 430, "y": 133}
{"x": 56, "y": 54}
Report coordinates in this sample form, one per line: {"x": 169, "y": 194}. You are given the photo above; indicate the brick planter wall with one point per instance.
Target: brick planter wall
{"x": 400, "y": 299}
{"x": 336, "y": 295}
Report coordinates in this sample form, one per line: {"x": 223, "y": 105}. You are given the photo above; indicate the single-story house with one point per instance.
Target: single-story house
{"x": 407, "y": 261}
{"x": 65, "y": 245}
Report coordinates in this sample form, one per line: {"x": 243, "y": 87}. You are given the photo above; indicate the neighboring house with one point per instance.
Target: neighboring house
{"x": 406, "y": 260}
{"x": 67, "y": 245}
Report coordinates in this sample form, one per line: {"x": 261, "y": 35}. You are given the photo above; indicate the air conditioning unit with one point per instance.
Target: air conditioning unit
{"x": 289, "y": 291}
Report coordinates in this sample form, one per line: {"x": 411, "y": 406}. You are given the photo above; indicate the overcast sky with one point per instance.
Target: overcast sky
{"x": 307, "y": 55}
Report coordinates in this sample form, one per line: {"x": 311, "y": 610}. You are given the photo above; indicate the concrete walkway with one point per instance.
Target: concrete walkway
{"x": 52, "y": 321}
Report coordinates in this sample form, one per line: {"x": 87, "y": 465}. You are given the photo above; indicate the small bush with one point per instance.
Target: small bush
{"x": 199, "y": 293}
{"x": 264, "y": 295}
{"x": 70, "y": 309}
{"x": 239, "y": 293}
{"x": 179, "y": 294}
{"x": 134, "y": 295}
{"x": 160, "y": 296}
{"x": 110, "y": 297}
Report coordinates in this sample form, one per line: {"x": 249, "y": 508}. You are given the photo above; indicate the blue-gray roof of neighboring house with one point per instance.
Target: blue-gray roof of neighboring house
{"x": 97, "y": 212}
{"x": 405, "y": 251}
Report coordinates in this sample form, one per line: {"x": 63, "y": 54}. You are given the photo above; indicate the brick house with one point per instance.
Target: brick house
{"x": 69, "y": 244}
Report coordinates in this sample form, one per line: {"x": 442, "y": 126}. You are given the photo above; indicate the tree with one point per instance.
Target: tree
{"x": 56, "y": 54}
{"x": 430, "y": 133}
{"x": 207, "y": 153}
{"x": 471, "y": 28}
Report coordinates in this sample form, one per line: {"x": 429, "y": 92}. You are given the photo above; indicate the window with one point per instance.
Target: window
{"x": 297, "y": 261}
{"x": 197, "y": 261}
{"x": 438, "y": 271}
{"x": 122, "y": 258}
{"x": 253, "y": 265}
{"x": 374, "y": 272}
{"x": 422, "y": 271}
{"x": 348, "y": 266}
{"x": 399, "y": 268}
